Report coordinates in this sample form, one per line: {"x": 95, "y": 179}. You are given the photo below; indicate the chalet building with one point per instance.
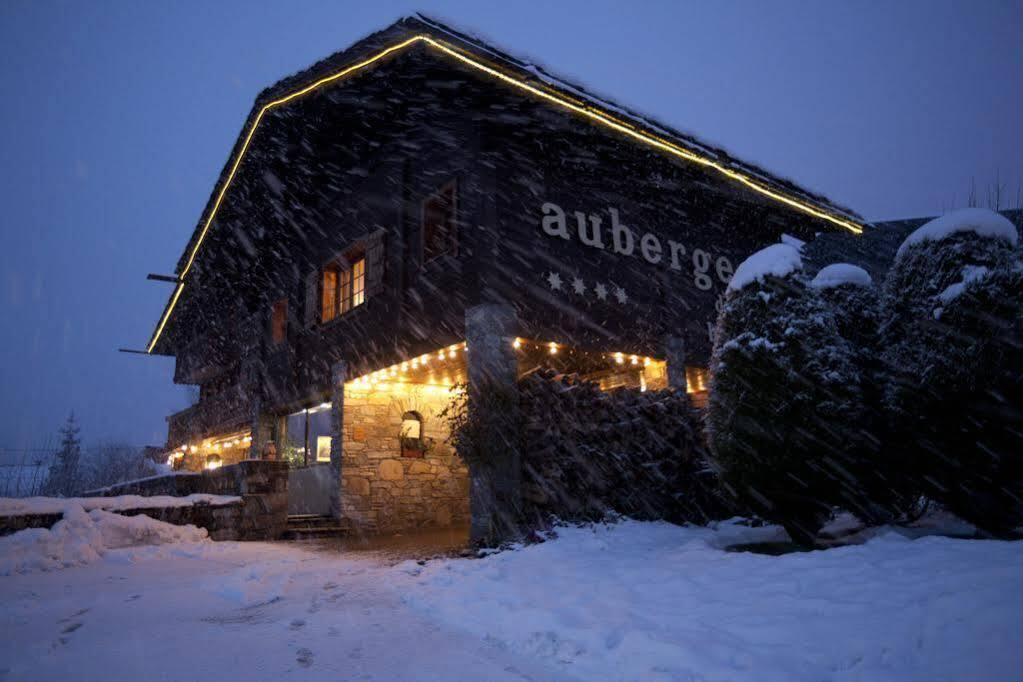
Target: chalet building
{"x": 422, "y": 212}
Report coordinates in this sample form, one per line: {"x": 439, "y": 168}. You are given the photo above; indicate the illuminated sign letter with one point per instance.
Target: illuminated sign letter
{"x": 554, "y": 221}
{"x": 650, "y": 246}
{"x": 586, "y": 238}
{"x": 617, "y": 232}
{"x": 677, "y": 250}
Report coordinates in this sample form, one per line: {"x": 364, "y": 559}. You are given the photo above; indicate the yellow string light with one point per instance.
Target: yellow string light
{"x": 588, "y": 111}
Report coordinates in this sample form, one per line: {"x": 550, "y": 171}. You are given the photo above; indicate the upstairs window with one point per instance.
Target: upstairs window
{"x": 331, "y": 281}
{"x": 343, "y": 287}
{"x": 440, "y": 233}
{"x": 279, "y": 321}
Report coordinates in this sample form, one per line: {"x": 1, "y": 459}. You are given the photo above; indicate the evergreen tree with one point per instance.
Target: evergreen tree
{"x": 850, "y": 295}
{"x": 63, "y": 477}
{"x": 784, "y": 397}
{"x": 953, "y": 339}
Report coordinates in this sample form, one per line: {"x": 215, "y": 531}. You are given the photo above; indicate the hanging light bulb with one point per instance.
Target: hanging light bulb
{"x": 517, "y": 343}
{"x": 553, "y": 347}
{"x": 619, "y": 358}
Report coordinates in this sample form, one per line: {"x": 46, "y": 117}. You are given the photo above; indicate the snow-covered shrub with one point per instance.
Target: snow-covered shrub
{"x": 784, "y": 400}
{"x": 849, "y": 293}
{"x": 952, "y": 334}
{"x": 587, "y": 453}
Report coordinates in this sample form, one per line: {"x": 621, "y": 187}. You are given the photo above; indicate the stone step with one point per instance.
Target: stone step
{"x": 309, "y": 533}
{"x": 302, "y": 526}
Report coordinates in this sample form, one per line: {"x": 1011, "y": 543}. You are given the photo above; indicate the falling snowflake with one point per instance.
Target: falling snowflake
{"x": 554, "y": 279}
{"x": 621, "y": 295}
{"x": 601, "y": 291}
{"x": 579, "y": 286}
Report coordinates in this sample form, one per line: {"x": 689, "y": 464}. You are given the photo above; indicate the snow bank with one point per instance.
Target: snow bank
{"x": 55, "y": 505}
{"x": 84, "y": 537}
{"x": 837, "y": 274}
{"x": 652, "y": 601}
{"x": 981, "y": 221}
{"x": 779, "y": 260}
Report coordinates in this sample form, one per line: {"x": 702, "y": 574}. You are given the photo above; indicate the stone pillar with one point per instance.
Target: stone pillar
{"x": 338, "y": 376}
{"x": 494, "y": 464}
{"x": 261, "y": 431}
{"x": 675, "y": 358}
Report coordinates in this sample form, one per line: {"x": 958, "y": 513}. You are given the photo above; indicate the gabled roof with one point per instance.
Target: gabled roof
{"x": 512, "y": 72}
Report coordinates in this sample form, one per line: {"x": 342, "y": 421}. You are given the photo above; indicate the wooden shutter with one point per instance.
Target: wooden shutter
{"x": 312, "y": 299}
{"x": 375, "y": 263}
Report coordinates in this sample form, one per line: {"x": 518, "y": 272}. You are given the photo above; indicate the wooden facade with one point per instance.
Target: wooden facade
{"x": 596, "y": 239}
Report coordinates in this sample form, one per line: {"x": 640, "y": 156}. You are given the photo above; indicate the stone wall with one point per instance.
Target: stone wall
{"x": 384, "y": 491}
{"x": 262, "y": 485}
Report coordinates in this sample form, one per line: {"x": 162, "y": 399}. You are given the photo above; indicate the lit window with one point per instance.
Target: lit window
{"x": 214, "y": 462}
{"x": 353, "y": 286}
{"x": 440, "y": 233}
{"x": 279, "y": 321}
{"x": 343, "y": 288}
{"x": 411, "y": 435}
{"x": 331, "y": 278}
{"x": 323, "y": 448}
{"x": 696, "y": 379}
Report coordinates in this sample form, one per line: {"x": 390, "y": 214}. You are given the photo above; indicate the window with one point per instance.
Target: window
{"x": 411, "y": 435}
{"x": 323, "y": 448}
{"x": 344, "y": 288}
{"x": 279, "y": 321}
{"x": 440, "y": 232}
{"x": 331, "y": 279}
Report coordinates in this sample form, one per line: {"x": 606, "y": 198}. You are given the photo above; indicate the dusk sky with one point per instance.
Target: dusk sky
{"x": 118, "y": 116}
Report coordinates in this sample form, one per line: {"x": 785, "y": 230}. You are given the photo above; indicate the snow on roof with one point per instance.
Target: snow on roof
{"x": 778, "y": 260}
{"x": 981, "y": 221}
{"x": 838, "y": 274}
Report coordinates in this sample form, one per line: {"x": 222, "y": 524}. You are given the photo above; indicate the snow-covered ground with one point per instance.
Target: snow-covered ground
{"x": 632, "y": 601}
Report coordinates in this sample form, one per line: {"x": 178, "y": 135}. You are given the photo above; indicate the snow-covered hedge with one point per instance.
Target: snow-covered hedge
{"x": 785, "y": 406}
{"x": 952, "y": 339}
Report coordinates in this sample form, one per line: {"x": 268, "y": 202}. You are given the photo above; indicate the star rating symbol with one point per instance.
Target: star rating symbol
{"x": 621, "y": 295}
{"x": 554, "y": 279}
{"x": 601, "y": 291}
{"x": 578, "y": 286}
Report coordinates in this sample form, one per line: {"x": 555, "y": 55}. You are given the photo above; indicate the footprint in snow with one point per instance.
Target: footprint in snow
{"x": 304, "y": 657}
{"x": 296, "y": 624}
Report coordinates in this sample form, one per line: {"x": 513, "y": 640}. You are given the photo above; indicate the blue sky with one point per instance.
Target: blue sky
{"x": 118, "y": 116}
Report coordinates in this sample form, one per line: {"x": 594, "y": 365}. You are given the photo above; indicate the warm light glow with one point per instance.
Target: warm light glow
{"x": 634, "y": 360}
{"x": 562, "y": 100}
{"x": 553, "y": 347}
{"x": 620, "y": 358}
{"x": 517, "y": 343}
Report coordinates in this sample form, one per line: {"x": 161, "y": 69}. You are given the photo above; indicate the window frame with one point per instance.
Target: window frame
{"x": 452, "y": 186}
{"x": 348, "y": 266}
{"x": 414, "y": 448}
{"x": 280, "y": 303}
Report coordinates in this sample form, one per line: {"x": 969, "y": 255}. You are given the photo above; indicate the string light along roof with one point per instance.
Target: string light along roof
{"x": 519, "y": 75}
